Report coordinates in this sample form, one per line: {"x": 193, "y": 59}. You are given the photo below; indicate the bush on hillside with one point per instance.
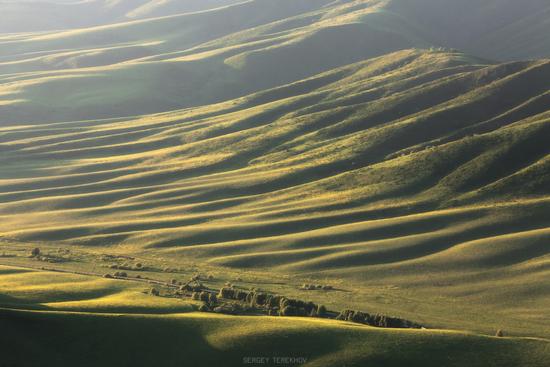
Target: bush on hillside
{"x": 204, "y": 308}
{"x": 288, "y": 311}
{"x": 226, "y": 293}
{"x": 204, "y": 296}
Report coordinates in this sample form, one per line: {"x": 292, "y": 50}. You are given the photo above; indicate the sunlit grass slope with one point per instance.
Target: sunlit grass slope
{"x": 46, "y": 290}
{"x": 193, "y": 339}
{"x": 301, "y": 138}
{"x": 179, "y": 60}
{"x": 424, "y": 170}
{"x": 47, "y": 15}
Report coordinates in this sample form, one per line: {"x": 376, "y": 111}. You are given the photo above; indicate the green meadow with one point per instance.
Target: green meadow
{"x": 396, "y": 151}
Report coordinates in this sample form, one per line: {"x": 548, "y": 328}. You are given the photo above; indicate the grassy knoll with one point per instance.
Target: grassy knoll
{"x": 417, "y": 178}
{"x": 194, "y": 339}
{"x": 62, "y": 319}
{"x": 272, "y": 144}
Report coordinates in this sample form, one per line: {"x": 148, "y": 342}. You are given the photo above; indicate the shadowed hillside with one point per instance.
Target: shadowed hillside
{"x": 414, "y": 160}
{"x": 184, "y": 339}
{"x": 392, "y": 153}
{"x": 48, "y": 15}
{"x": 190, "y": 59}
{"x": 70, "y": 312}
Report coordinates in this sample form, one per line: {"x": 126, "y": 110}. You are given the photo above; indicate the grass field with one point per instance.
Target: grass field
{"x": 274, "y": 144}
{"x": 177, "y": 335}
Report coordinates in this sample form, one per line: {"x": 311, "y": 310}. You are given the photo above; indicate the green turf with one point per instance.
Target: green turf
{"x": 278, "y": 142}
{"x": 220, "y": 340}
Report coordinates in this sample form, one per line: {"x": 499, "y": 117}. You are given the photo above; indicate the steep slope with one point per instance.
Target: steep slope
{"x": 314, "y": 139}
{"x": 186, "y": 60}
{"x": 71, "y": 312}
{"x": 223, "y": 340}
{"x": 48, "y": 15}
{"x": 353, "y": 169}
{"x": 496, "y": 29}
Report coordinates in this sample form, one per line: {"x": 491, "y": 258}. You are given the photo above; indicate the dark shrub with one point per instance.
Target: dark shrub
{"x": 108, "y": 276}
{"x": 259, "y": 299}
{"x": 174, "y": 281}
{"x": 380, "y": 321}
{"x": 359, "y": 317}
{"x": 204, "y": 308}
{"x": 139, "y": 266}
{"x": 288, "y": 311}
{"x": 321, "y": 311}
{"x": 274, "y": 301}
{"x": 310, "y": 308}
{"x": 212, "y": 299}
{"x": 204, "y": 296}
{"x": 226, "y": 293}
{"x": 345, "y": 315}
{"x": 499, "y": 333}
{"x": 155, "y": 292}
{"x": 250, "y": 297}
{"x": 241, "y": 295}
{"x": 35, "y": 252}
{"x": 298, "y": 303}
{"x": 327, "y": 287}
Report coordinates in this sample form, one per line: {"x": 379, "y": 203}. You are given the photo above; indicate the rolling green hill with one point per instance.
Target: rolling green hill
{"x": 192, "y": 338}
{"x": 47, "y": 15}
{"x": 416, "y": 169}
{"x": 184, "y": 60}
{"x": 62, "y": 331}
{"x": 395, "y": 150}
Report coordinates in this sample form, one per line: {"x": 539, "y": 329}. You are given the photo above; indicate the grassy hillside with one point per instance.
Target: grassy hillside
{"x": 216, "y": 340}
{"x": 152, "y": 65}
{"x": 48, "y": 15}
{"x": 273, "y": 144}
{"x": 139, "y": 337}
{"x": 421, "y": 171}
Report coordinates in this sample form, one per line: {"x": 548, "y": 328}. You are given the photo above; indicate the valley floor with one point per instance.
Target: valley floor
{"x": 65, "y": 319}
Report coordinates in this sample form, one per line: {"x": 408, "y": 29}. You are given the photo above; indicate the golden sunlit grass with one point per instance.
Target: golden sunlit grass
{"x": 214, "y": 338}
{"x": 415, "y": 182}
